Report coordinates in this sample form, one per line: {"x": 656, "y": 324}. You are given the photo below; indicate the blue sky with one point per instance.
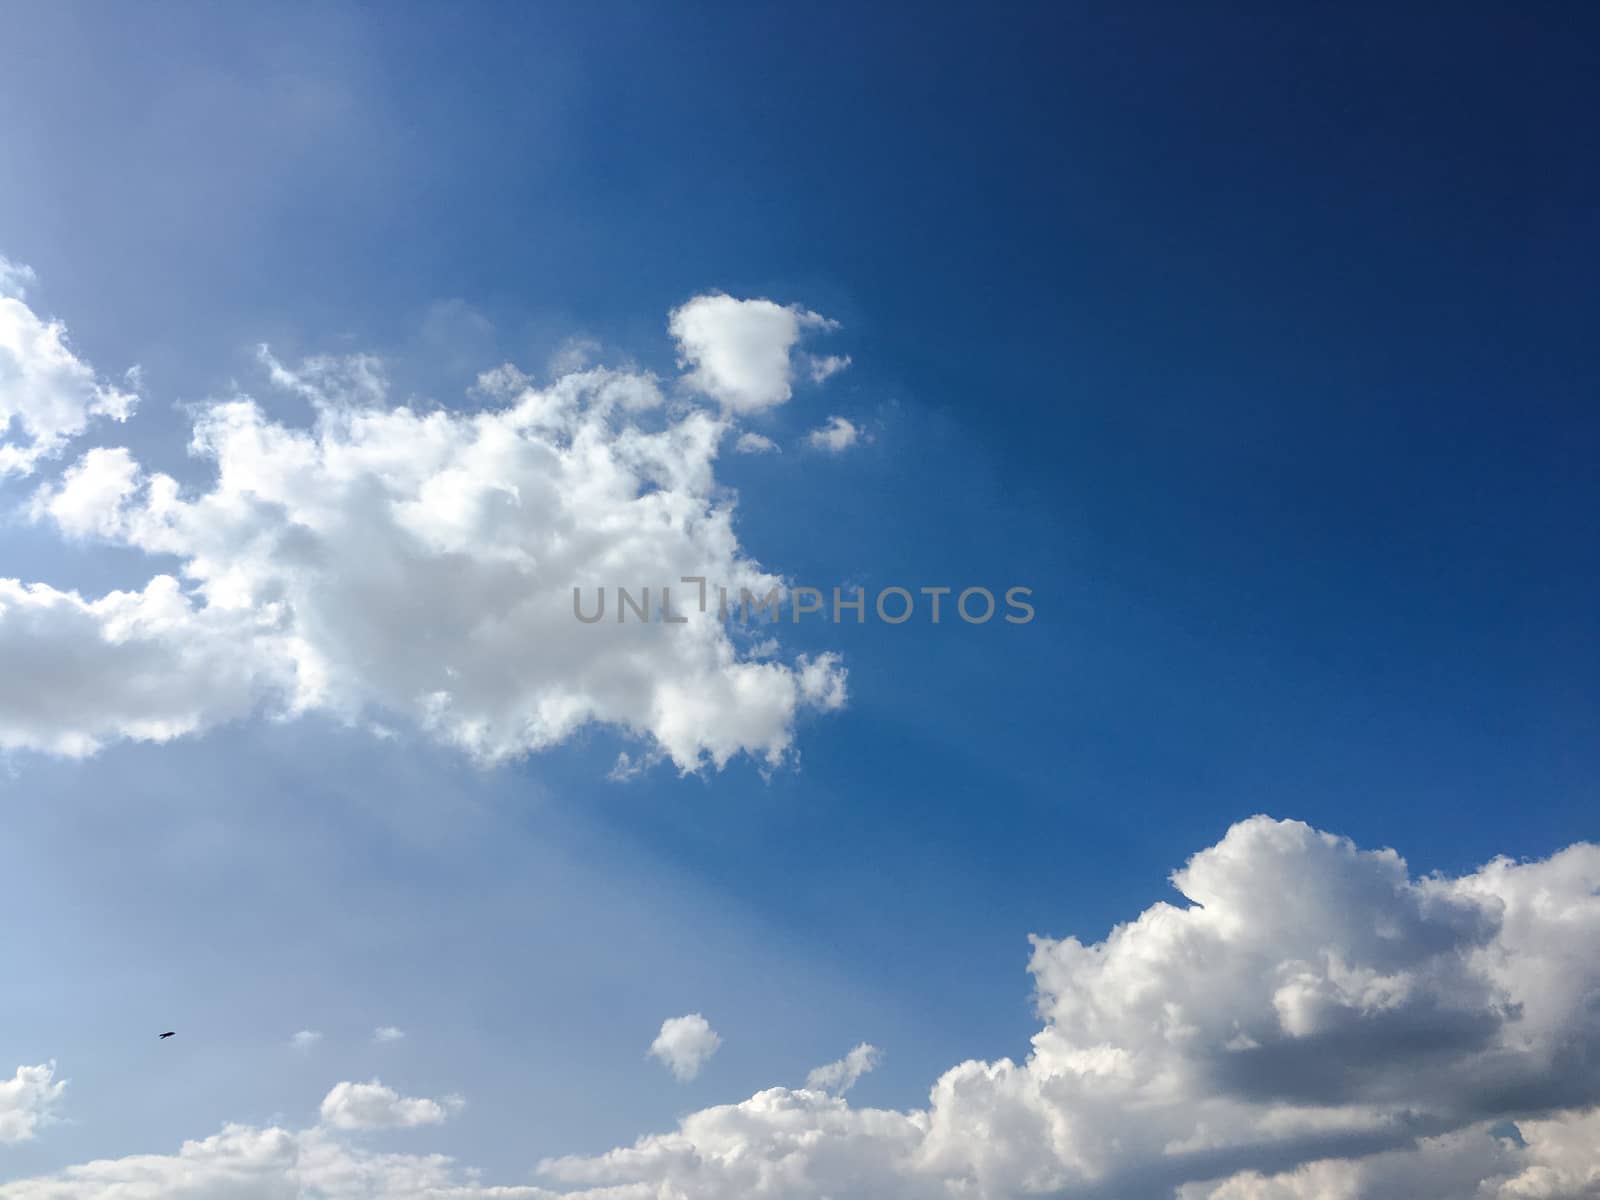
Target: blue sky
{"x": 1258, "y": 345}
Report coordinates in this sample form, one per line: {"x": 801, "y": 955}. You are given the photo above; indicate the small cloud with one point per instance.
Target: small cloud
{"x": 685, "y": 1044}
{"x": 28, "y": 1100}
{"x": 305, "y": 1039}
{"x": 630, "y": 766}
{"x": 839, "y": 1077}
{"x": 738, "y": 351}
{"x": 836, "y": 436}
{"x": 15, "y": 278}
{"x": 373, "y": 1106}
{"x": 388, "y": 1033}
{"x": 824, "y": 368}
{"x": 48, "y": 395}
{"x": 755, "y": 443}
{"x": 329, "y": 380}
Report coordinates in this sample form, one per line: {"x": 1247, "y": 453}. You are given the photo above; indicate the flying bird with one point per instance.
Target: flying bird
{"x": 167, "y": 1034}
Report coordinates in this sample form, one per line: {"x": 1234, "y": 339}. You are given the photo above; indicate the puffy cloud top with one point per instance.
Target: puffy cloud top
{"x": 422, "y": 564}
{"x": 48, "y": 395}
{"x": 685, "y": 1044}
{"x": 372, "y": 1106}
{"x": 1312, "y": 1024}
{"x": 741, "y": 351}
{"x": 28, "y": 1100}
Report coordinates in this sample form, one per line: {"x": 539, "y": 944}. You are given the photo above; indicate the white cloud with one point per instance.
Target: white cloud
{"x": 839, "y": 1077}
{"x": 305, "y": 1039}
{"x": 755, "y": 443}
{"x": 387, "y": 564}
{"x": 685, "y": 1044}
{"x": 330, "y": 381}
{"x": 86, "y": 502}
{"x": 148, "y": 665}
{"x": 28, "y": 1100}
{"x": 739, "y": 350}
{"x": 794, "y": 1145}
{"x": 353, "y": 1106}
{"x": 822, "y": 369}
{"x": 388, "y": 1033}
{"x": 1562, "y": 1162}
{"x": 15, "y": 278}
{"x": 1312, "y": 1024}
{"x": 1311, "y": 1003}
{"x": 1312, "y": 1019}
{"x": 835, "y": 436}
{"x": 48, "y": 395}
{"x": 243, "y": 1162}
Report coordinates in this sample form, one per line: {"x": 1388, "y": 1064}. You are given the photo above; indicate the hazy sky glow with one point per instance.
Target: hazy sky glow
{"x": 340, "y": 344}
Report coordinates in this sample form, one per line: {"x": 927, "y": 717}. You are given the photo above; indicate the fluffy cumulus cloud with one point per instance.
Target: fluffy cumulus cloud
{"x": 375, "y": 560}
{"x": 353, "y": 1106}
{"x": 1311, "y": 1023}
{"x": 28, "y": 1100}
{"x": 685, "y": 1044}
{"x": 48, "y": 395}
{"x": 741, "y": 353}
{"x": 836, "y": 436}
{"x": 149, "y": 665}
{"x": 1311, "y": 1019}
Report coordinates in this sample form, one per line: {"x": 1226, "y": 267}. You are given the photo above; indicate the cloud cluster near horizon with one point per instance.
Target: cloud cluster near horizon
{"x": 382, "y": 561}
{"x": 1312, "y": 1023}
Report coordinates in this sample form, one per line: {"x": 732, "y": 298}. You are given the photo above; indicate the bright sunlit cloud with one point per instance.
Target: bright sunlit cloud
{"x": 1312, "y": 1021}
{"x": 381, "y": 561}
{"x": 48, "y": 395}
{"x": 684, "y": 1045}
{"x": 28, "y": 1100}
{"x": 363, "y": 1106}
{"x": 741, "y": 351}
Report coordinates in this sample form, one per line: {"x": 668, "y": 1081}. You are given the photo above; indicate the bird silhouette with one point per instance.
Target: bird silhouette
{"x": 167, "y": 1034}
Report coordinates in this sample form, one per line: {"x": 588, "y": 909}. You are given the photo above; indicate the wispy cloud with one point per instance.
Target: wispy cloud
{"x": 837, "y": 435}
{"x": 755, "y": 443}
{"x": 839, "y": 1077}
